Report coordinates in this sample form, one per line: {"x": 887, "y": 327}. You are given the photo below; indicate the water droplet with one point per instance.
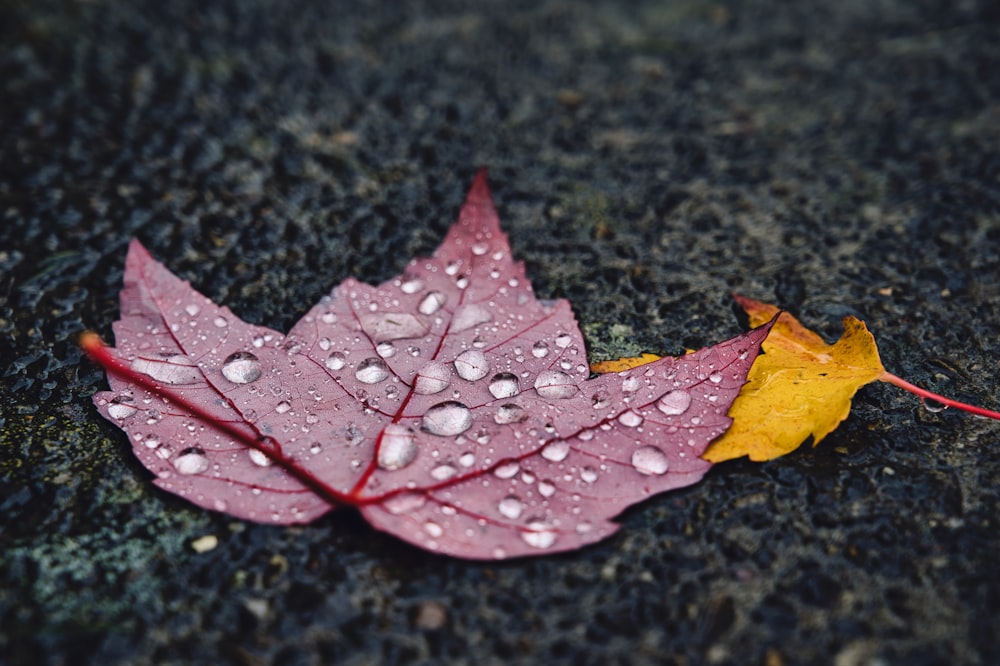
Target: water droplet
{"x": 480, "y": 248}
{"x": 372, "y": 371}
{"x": 336, "y": 360}
{"x": 432, "y": 378}
{"x": 472, "y": 365}
{"x": 191, "y": 461}
{"x": 631, "y": 384}
{"x": 315, "y": 448}
{"x": 259, "y": 458}
{"x": 674, "y": 402}
{"x": 447, "y": 418}
{"x": 151, "y": 442}
{"x": 509, "y": 413}
{"x": 283, "y": 407}
{"x": 411, "y": 285}
{"x": 507, "y": 469}
{"x": 404, "y": 503}
{"x": 546, "y": 488}
{"x": 431, "y": 303}
{"x": 715, "y": 377}
{"x": 121, "y": 407}
{"x": 931, "y": 405}
{"x": 467, "y": 316}
{"x": 382, "y": 326}
{"x": 503, "y": 385}
{"x": 588, "y": 474}
{"x": 452, "y": 267}
{"x": 398, "y": 447}
{"x": 553, "y": 384}
{"x": 511, "y": 507}
{"x": 385, "y": 349}
{"x": 176, "y": 369}
{"x": 328, "y": 318}
{"x": 467, "y": 459}
{"x": 539, "y": 535}
{"x": 540, "y": 349}
{"x": 433, "y": 529}
{"x": 220, "y": 322}
{"x": 443, "y": 472}
{"x": 556, "y": 451}
{"x": 241, "y": 368}
{"x": 630, "y": 419}
{"x": 650, "y": 460}
{"x": 192, "y": 309}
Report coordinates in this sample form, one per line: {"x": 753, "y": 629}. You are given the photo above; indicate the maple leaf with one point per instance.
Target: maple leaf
{"x": 449, "y": 405}
{"x": 801, "y": 387}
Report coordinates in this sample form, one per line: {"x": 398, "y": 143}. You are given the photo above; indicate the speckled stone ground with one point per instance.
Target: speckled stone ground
{"x": 647, "y": 159}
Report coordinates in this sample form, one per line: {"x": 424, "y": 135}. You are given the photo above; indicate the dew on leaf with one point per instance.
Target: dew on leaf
{"x": 467, "y": 316}
{"x": 503, "y": 385}
{"x": 630, "y": 419}
{"x": 472, "y": 365}
{"x": 443, "y": 472}
{"x": 433, "y": 529}
{"x": 260, "y": 458}
{"x": 511, "y": 507}
{"x": 674, "y": 403}
{"x": 383, "y": 326}
{"x": 539, "y": 535}
{"x": 398, "y": 447}
{"x": 431, "y": 303}
{"x": 220, "y": 322}
{"x": 650, "y": 460}
{"x": 121, "y": 407}
{"x": 556, "y": 451}
{"x": 546, "y": 488}
{"x": 385, "y": 349}
{"x": 191, "y": 461}
{"x": 241, "y": 368}
{"x": 540, "y": 349}
{"x": 283, "y": 406}
{"x": 447, "y": 418}
{"x": 175, "y": 369}
{"x": 509, "y": 413}
{"x": 372, "y": 371}
{"x": 411, "y": 285}
{"x": 553, "y": 384}
{"x": 588, "y": 475}
{"x": 715, "y": 377}
{"x": 432, "y": 378}
{"x": 192, "y": 309}
{"x": 404, "y": 502}
{"x": 507, "y": 469}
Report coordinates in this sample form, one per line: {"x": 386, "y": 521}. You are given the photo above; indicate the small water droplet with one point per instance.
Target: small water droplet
{"x": 715, "y": 377}
{"x": 283, "y": 407}
{"x": 433, "y": 529}
{"x": 121, "y": 407}
{"x": 539, "y": 535}
{"x": 540, "y": 349}
{"x": 335, "y": 361}
{"x": 467, "y": 459}
{"x": 556, "y": 451}
{"x": 259, "y": 458}
{"x": 372, "y": 371}
{"x": 220, "y": 322}
{"x": 191, "y": 461}
{"x": 480, "y": 248}
{"x": 447, "y": 418}
{"x": 472, "y": 365}
{"x": 650, "y": 460}
{"x": 398, "y": 447}
{"x": 452, "y": 267}
{"x": 315, "y": 448}
{"x": 563, "y": 340}
{"x": 411, "y": 285}
{"x": 511, "y": 507}
{"x": 588, "y": 474}
{"x": 631, "y": 384}
{"x": 404, "y": 503}
{"x": 432, "y": 378}
{"x": 509, "y": 413}
{"x": 546, "y": 488}
{"x": 431, "y": 303}
{"x": 630, "y": 419}
{"x": 151, "y": 442}
{"x": 328, "y": 318}
{"x": 385, "y": 349}
{"x": 241, "y": 368}
{"x": 553, "y": 384}
{"x": 443, "y": 472}
{"x": 503, "y": 385}
{"x": 192, "y": 309}
{"x": 674, "y": 402}
{"x": 931, "y": 405}
{"x": 507, "y": 469}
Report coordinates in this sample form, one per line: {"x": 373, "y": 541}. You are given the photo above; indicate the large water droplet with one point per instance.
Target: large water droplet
{"x": 432, "y": 378}
{"x": 121, "y": 407}
{"x": 539, "y": 535}
{"x": 382, "y": 326}
{"x": 503, "y": 385}
{"x": 283, "y": 407}
{"x": 553, "y": 384}
{"x": 259, "y": 458}
{"x": 588, "y": 475}
{"x": 447, "y": 418}
{"x": 385, "y": 349}
{"x": 443, "y": 472}
{"x": 546, "y": 488}
{"x": 556, "y": 451}
{"x": 511, "y": 507}
{"x": 398, "y": 447}
{"x": 563, "y": 340}
{"x": 675, "y": 402}
{"x": 650, "y": 460}
{"x": 431, "y": 303}
{"x": 507, "y": 469}
{"x": 191, "y": 461}
{"x": 241, "y": 368}
{"x": 336, "y": 360}
{"x": 630, "y": 419}
{"x": 540, "y": 349}
{"x": 411, "y": 285}
{"x": 176, "y": 369}
{"x": 467, "y": 316}
{"x": 509, "y": 413}
{"x": 472, "y": 365}
{"x": 372, "y": 371}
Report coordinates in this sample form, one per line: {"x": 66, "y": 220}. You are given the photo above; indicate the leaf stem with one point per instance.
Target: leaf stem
{"x": 924, "y": 394}
{"x": 98, "y": 353}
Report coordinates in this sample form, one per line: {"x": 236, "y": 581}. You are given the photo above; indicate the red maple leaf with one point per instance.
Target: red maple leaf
{"x": 449, "y": 405}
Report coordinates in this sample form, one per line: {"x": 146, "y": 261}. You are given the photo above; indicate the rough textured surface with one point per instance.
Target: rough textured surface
{"x": 647, "y": 158}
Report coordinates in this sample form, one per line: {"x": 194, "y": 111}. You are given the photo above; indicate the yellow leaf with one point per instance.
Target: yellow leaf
{"x": 621, "y": 364}
{"x": 799, "y": 386}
